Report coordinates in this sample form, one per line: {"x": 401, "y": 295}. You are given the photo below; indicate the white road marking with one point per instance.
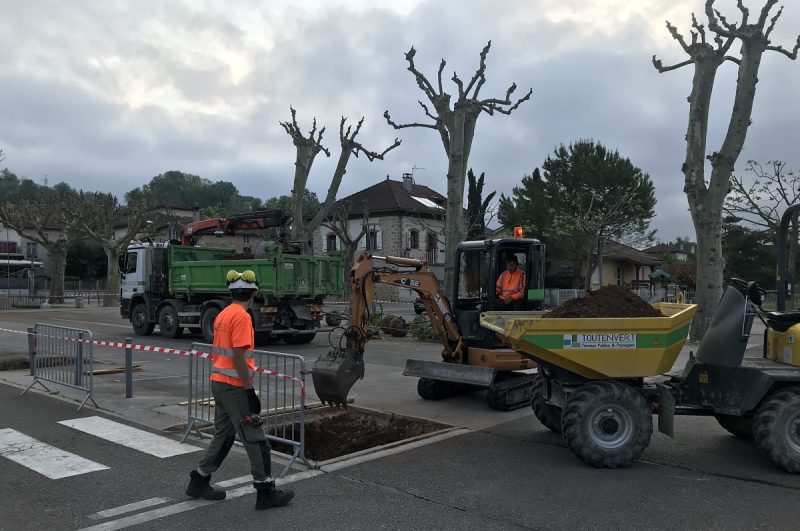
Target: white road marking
{"x": 129, "y": 508}
{"x": 170, "y": 510}
{"x": 47, "y": 460}
{"x": 140, "y": 440}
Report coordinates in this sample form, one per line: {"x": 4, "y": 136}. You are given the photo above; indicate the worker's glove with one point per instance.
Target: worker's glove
{"x": 253, "y": 403}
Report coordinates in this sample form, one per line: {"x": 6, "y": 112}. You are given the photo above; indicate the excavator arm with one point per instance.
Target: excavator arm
{"x": 335, "y": 373}
{"x": 230, "y": 226}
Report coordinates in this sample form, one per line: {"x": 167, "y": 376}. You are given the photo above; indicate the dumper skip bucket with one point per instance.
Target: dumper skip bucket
{"x": 599, "y": 348}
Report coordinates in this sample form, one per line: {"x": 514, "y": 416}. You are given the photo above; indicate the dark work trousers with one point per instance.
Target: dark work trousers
{"x": 230, "y": 407}
{"x": 513, "y": 306}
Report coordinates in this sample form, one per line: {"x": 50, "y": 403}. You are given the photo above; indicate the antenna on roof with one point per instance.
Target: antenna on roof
{"x": 415, "y": 168}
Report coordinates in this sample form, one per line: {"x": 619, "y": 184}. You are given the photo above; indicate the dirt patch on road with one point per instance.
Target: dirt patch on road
{"x": 347, "y": 432}
{"x": 14, "y": 364}
{"x": 608, "y": 301}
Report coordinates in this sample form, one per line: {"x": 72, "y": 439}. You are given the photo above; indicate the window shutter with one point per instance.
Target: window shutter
{"x": 324, "y": 243}
{"x": 378, "y": 238}
{"x": 362, "y": 243}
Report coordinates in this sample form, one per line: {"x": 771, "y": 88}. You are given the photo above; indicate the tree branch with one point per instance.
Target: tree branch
{"x": 403, "y": 126}
{"x": 422, "y": 81}
{"x": 791, "y": 55}
{"x": 479, "y": 73}
{"x": 661, "y": 68}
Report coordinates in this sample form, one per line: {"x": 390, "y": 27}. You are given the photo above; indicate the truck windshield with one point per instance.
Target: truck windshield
{"x": 473, "y": 274}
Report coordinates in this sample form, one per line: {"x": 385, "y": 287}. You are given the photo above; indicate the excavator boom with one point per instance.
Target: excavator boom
{"x": 335, "y": 373}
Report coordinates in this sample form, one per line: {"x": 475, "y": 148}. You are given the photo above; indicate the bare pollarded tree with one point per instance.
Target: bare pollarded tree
{"x": 706, "y": 198}
{"x": 308, "y": 147}
{"x": 456, "y": 127}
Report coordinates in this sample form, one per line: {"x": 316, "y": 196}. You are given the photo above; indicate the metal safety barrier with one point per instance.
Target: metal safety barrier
{"x": 63, "y": 356}
{"x": 280, "y": 388}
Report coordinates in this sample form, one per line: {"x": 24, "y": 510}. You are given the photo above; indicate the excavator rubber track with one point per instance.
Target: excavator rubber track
{"x": 511, "y": 391}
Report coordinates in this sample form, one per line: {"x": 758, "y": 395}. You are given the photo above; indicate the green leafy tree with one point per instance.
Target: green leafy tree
{"x": 584, "y": 194}
{"x": 86, "y": 260}
{"x": 749, "y": 253}
{"x": 283, "y": 203}
{"x": 477, "y": 206}
{"x": 179, "y": 189}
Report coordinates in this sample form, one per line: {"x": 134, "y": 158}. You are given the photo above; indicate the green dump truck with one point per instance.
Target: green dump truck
{"x": 179, "y": 287}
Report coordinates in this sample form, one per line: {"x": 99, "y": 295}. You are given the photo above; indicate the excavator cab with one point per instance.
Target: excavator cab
{"x": 480, "y": 264}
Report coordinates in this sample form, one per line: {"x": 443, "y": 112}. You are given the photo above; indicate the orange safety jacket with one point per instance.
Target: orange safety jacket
{"x": 511, "y": 284}
{"x": 233, "y": 328}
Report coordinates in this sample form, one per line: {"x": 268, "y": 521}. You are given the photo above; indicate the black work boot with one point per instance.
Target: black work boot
{"x": 199, "y": 487}
{"x": 268, "y": 496}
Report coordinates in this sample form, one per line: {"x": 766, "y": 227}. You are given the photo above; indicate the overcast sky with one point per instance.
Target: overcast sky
{"x": 107, "y": 94}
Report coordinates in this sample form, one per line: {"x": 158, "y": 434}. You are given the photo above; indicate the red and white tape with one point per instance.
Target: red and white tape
{"x": 164, "y": 350}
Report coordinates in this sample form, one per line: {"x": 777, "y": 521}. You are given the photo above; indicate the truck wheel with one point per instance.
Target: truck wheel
{"x": 777, "y": 428}
{"x": 207, "y": 323}
{"x": 140, "y": 321}
{"x": 607, "y": 424}
{"x": 741, "y": 427}
{"x": 548, "y": 414}
{"x": 298, "y": 339}
{"x": 169, "y": 322}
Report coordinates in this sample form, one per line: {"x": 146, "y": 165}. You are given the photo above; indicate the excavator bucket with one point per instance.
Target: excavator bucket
{"x": 335, "y": 373}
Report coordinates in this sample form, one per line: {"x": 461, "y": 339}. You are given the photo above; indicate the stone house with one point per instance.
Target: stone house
{"x": 622, "y": 265}
{"x": 403, "y": 219}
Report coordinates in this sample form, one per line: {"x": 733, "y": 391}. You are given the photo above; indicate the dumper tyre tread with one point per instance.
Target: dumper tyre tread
{"x": 169, "y": 322}
{"x": 548, "y": 414}
{"x": 140, "y": 321}
{"x": 776, "y": 428}
{"x": 511, "y": 391}
{"x": 607, "y": 424}
{"x": 741, "y": 427}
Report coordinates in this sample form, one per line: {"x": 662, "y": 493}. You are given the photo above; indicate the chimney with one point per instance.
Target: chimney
{"x": 408, "y": 182}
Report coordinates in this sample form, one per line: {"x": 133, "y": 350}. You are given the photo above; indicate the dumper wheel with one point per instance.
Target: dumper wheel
{"x": 141, "y": 321}
{"x": 548, "y": 414}
{"x": 777, "y": 428}
{"x": 741, "y": 427}
{"x": 169, "y": 322}
{"x": 607, "y": 424}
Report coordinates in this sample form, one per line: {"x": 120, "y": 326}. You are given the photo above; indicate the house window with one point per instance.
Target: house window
{"x": 331, "y": 243}
{"x": 245, "y": 239}
{"x": 31, "y": 250}
{"x": 372, "y": 240}
{"x": 414, "y": 240}
{"x": 620, "y": 277}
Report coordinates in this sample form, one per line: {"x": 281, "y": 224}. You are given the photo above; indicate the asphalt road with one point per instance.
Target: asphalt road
{"x": 505, "y": 471}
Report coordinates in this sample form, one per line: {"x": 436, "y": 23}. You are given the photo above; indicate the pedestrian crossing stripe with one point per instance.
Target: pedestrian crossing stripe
{"x": 130, "y": 437}
{"x": 47, "y": 460}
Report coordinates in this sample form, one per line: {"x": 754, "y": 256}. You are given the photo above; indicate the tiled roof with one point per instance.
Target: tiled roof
{"x": 625, "y": 253}
{"x": 392, "y": 196}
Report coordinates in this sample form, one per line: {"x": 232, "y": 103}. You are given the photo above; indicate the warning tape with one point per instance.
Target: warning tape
{"x": 164, "y": 350}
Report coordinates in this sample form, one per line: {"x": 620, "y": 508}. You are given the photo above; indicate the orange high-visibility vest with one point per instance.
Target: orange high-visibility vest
{"x": 511, "y": 284}
{"x": 233, "y": 328}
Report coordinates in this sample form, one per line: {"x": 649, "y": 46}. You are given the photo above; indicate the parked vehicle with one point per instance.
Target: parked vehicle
{"x": 419, "y": 306}
{"x": 180, "y": 287}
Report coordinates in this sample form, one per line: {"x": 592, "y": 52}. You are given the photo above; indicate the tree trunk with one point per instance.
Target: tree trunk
{"x": 59, "y": 263}
{"x": 348, "y": 255}
{"x": 111, "y": 293}
{"x": 455, "y": 231}
{"x": 709, "y": 273}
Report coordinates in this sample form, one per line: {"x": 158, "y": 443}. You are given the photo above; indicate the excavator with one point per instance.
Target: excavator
{"x": 472, "y": 357}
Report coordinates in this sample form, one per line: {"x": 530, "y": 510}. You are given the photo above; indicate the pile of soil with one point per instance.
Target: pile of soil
{"x": 608, "y": 301}
{"x": 350, "y": 431}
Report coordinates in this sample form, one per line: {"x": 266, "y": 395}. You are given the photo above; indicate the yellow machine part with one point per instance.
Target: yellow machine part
{"x": 784, "y": 347}
{"x": 501, "y": 359}
{"x": 599, "y": 348}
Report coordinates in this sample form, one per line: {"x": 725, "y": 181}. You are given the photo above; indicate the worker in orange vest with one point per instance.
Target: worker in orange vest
{"x": 236, "y": 405}
{"x": 510, "y": 288}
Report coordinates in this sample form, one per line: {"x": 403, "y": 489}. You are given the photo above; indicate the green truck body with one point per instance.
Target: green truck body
{"x": 183, "y": 287}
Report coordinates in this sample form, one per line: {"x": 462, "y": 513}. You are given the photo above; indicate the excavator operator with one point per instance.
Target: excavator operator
{"x": 510, "y": 287}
